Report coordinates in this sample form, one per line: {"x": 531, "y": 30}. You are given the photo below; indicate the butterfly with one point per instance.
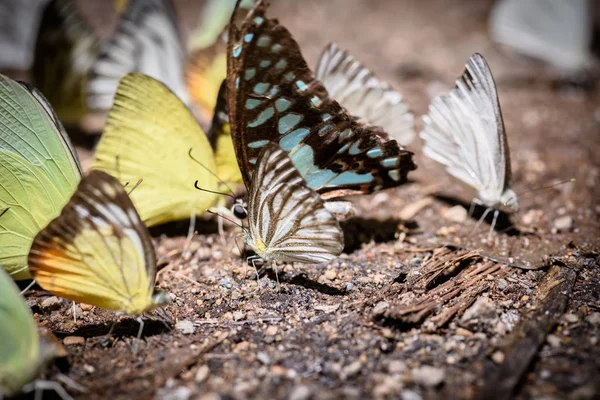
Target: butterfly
{"x": 288, "y": 221}
{"x": 273, "y": 96}
{"x": 65, "y": 49}
{"x": 24, "y": 351}
{"x": 364, "y": 95}
{"x": 557, "y": 32}
{"x": 151, "y": 135}
{"x": 38, "y": 171}
{"x": 148, "y": 41}
{"x": 464, "y": 131}
{"x": 98, "y": 251}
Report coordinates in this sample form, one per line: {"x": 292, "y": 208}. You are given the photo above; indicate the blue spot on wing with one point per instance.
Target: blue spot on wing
{"x": 293, "y": 139}
{"x": 354, "y": 150}
{"x": 390, "y": 162}
{"x": 282, "y": 104}
{"x": 258, "y": 144}
{"x": 375, "y": 152}
{"x": 264, "y": 116}
{"x": 248, "y": 37}
{"x": 288, "y": 122}
{"x": 258, "y": 20}
{"x": 350, "y": 178}
{"x": 263, "y": 41}
{"x": 261, "y": 88}
{"x": 249, "y": 73}
{"x": 252, "y": 103}
{"x": 281, "y": 64}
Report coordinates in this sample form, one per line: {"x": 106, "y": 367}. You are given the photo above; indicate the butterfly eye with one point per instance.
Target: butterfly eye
{"x": 239, "y": 211}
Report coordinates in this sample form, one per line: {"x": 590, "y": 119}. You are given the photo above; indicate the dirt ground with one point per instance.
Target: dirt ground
{"x": 419, "y": 306}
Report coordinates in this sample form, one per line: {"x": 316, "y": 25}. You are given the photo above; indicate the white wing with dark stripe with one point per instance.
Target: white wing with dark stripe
{"x": 364, "y": 95}
{"x": 464, "y": 131}
{"x": 288, "y": 220}
{"x": 147, "y": 41}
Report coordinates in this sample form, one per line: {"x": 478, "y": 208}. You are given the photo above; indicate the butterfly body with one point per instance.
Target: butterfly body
{"x": 288, "y": 221}
{"x": 98, "y": 251}
{"x": 273, "y": 97}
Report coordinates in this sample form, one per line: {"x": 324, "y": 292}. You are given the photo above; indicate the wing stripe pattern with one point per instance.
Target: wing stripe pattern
{"x": 97, "y": 251}
{"x": 288, "y": 220}
{"x": 465, "y": 132}
{"x": 273, "y": 96}
{"x": 364, "y": 95}
{"x": 147, "y": 41}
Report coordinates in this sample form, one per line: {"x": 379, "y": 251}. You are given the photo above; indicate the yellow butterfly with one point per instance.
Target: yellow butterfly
{"x": 151, "y": 135}
{"x": 98, "y": 251}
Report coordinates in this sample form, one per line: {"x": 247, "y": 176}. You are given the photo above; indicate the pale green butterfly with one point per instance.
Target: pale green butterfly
{"x": 23, "y": 351}
{"x": 39, "y": 171}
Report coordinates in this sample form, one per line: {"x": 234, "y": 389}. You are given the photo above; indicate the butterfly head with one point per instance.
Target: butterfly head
{"x": 508, "y": 201}
{"x": 239, "y": 209}
{"x": 160, "y": 298}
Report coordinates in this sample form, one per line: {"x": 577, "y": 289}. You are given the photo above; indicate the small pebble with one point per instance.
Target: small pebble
{"x": 300, "y": 392}
{"x": 593, "y": 318}
{"x": 51, "y": 303}
{"x": 239, "y": 315}
{"x": 185, "y": 326}
{"x": 352, "y": 369}
{"x": 382, "y": 305}
{"x": 86, "y": 307}
{"x": 396, "y": 367}
{"x": 563, "y": 223}
{"x": 428, "y": 375}
{"x": 571, "y": 318}
{"x": 498, "y": 357}
{"x": 73, "y": 341}
{"x": 330, "y": 274}
{"x": 464, "y": 332}
{"x": 410, "y": 395}
{"x": 263, "y": 358}
{"x": 202, "y": 374}
{"x": 553, "y": 340}
{"x": 455, "y": 214}
{"x": 226, "y": 283}
{"x": 271, "y": 330}
{"x": 89, "y": 368}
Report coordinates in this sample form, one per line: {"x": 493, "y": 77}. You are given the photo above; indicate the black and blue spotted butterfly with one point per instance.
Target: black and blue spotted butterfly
{"x": 273, "y": 96}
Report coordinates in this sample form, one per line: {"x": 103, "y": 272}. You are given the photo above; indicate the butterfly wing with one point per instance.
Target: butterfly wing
{"x": 19, "y": 347}
{"x": 220, "y": 140}
{"x": 38, "y": 171}
{"x": 149, "y": 134}
{"x": 97, "y": 251}
{"x": 364, "y": 95}
{"x": 65, "y": 49}
{"x": 147, "y": 40}
{"x": 273, "y": 96}
{"x": 465, "y": 132}
{"x": 204, "y": 73}
{"x": 288, "y": 220}
{"x": 559, "y": 32}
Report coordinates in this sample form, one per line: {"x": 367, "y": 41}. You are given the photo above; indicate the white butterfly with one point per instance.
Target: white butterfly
{"x": 288, "y": 221}
{"x": 464, "y": 131}
{"x": 365, "y": 95}
{"x": 147, "y": 41}
{"x": 558, "y": 32}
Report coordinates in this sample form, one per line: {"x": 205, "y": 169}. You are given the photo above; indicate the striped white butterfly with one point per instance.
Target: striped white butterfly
{"x": 288, "y": 221}
{"x": 365, "y": 95}
{"x": 148, "y": 41}
{"x": 558, "y": 32}
{"x": 464, "y": 131}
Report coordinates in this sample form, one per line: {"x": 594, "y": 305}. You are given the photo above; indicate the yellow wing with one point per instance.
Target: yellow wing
{"x": 97, "y": 251}
{"x": 149, "y": 135}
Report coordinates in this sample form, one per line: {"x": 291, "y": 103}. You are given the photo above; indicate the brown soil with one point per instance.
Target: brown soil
{"x": 413, "y": 308}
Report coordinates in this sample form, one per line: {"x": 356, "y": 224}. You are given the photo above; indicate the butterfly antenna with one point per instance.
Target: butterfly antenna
{"x": 4, "y": 211}
{"x": 211, "y": 191}
{"x": 213, "y": 174}
{"x": 135, "y": 186}
{"x": 225, "y": 218}
{"x": 547, "y": 187}
{"x": 118, "y": 166}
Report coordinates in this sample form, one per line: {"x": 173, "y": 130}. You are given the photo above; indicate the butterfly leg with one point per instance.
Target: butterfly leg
{"x": 141, "y": 322}
{"x": 27, "y": 288}
{"x": 74, "y": 313}
{"x": 39, "y": 386}
{"x": 496, "y": 213}
{"x": 192, "y": 227}
{"x": 485, "y": 213}
{"x": 274, "y": 266}
{"x": 474, "y": 202}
